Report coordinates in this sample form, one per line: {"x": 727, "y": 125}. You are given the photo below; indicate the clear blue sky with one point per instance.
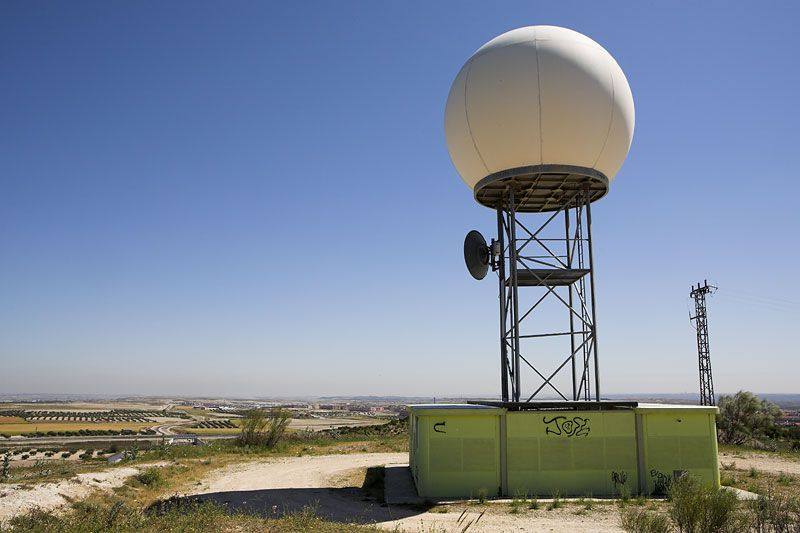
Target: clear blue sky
{"x": 255, "y": 198}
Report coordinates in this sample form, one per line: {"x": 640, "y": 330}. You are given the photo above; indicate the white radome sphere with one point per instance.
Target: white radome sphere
{"x": 539, "y": 95}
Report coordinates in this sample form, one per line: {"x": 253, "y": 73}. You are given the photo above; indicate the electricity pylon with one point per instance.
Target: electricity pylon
{"x": 703, "y": 352}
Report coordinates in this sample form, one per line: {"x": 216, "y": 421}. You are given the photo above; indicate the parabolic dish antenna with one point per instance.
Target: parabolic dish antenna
{"x": 476, "y": 254}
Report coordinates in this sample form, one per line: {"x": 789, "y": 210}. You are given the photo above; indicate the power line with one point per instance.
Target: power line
{"x": 744, "y": 294}
{"x": 772, "y": 305}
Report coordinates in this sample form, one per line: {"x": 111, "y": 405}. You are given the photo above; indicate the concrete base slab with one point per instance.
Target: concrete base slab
{"x": 742, "y": 494}
{"x": 398, "y": 486}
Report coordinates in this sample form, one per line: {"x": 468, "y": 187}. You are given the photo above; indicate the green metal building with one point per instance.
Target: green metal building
{"x": 464, "y": 450}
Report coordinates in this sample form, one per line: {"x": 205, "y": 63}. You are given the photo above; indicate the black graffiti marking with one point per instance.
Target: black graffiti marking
{"x": 436, "y": 427}
{"x": 661, "y": 482}
{"x": 561, "y": 425}
{"x": 619, "y": 478}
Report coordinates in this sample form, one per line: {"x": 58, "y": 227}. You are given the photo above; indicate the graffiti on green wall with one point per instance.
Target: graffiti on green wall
{"x": 577, "y": 426}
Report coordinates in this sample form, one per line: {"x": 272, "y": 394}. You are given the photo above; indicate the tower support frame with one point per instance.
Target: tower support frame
{"x": 561, "y": 267}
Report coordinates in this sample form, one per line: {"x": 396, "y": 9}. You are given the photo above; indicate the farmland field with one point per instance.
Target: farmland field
{"x": 213, "y": 431}
{"x": 296, "y": 424}
{"x": 17, "y": 428}
{"x": 69, "y": 419}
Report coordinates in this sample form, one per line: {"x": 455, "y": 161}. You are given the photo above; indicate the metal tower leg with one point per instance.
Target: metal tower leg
{"x": 501, "y": 271}
{"x": 591, "y": 285}
{"x": 512, "y": 250}
{"x": 571, "y": 304}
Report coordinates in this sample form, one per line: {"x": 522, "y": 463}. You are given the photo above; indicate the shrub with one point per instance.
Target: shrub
{"x": 260, "y": 428}
{"x": 642, "y": 521}
{"x": 133, "y": 451}
{"x": 746, "y": 419}
{"x": 556, "y": 503}
{"x": 773, "y": 512}
{"x": 534, "y": 503}
{"x": 518, "y": 502}
{"x": 150, "y": 476}
{"x": 700, "y": 508}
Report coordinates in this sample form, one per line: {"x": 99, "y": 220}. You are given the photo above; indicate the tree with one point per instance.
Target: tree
{"x": 744, "y": 418}
{"x": 261, "y": 428}
{"x": 133, "y": 452}
{"x": 4, "y": 473}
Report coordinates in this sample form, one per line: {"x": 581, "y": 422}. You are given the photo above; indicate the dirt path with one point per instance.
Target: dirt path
{"x": 15, "y": 500}
{"x": 329, "y": 484}
{"x": 760, "y": 461}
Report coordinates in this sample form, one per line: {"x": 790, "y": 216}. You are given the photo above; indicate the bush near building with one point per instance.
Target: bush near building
{"x": 745, "y": 419}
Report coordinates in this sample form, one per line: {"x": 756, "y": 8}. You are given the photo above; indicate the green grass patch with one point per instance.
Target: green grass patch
{"x": 150, "y": 477}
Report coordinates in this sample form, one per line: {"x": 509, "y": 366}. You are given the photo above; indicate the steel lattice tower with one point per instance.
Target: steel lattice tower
{"x": 698, "y": 293}
{"x": 550, "y": 263}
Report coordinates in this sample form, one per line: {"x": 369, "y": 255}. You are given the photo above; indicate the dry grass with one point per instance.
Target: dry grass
{"x": 120, "y": 517}
{"x": 761, "y": 482}
{"x": 782, "y": 450}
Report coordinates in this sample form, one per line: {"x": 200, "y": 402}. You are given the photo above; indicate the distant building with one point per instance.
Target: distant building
{"x": 789, "y": 418}
{"x": 185, "y": 439}
{"x": 116, "y": 458}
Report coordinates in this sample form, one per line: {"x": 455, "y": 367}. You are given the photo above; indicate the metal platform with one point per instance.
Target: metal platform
{"x": 541, "y": 188}
{"x": 594, "y": 405}
{"x": 548, "y": 277}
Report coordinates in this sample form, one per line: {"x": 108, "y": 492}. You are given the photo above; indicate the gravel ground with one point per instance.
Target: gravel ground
{"x": 326, "y": 483}
{"x": 760, "y": 461}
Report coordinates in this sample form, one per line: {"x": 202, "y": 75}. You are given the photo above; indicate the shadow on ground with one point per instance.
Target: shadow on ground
{"x": 359, "y": 505}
